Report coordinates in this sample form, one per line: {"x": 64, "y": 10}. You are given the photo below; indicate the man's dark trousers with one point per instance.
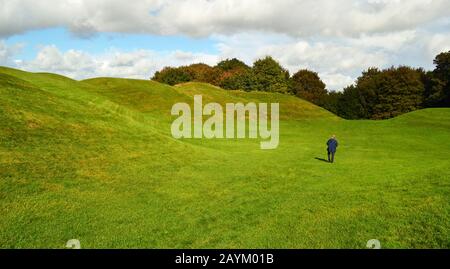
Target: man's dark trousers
{"x": 331, "y": 156}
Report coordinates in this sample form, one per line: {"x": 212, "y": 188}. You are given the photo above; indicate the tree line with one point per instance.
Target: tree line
{"x": 376, "y": 94}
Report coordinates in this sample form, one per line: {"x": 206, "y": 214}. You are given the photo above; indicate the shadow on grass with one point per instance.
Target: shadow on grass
{"x": 321, "y": 159}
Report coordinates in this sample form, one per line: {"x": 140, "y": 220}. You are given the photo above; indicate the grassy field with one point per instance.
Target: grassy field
{"x": 94, "y": 160}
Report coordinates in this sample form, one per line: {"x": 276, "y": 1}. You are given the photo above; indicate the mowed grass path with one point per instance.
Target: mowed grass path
{"x": 94, "y": 160}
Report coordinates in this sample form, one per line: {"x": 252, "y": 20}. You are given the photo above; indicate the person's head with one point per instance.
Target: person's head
{"x": 333, "y": 136}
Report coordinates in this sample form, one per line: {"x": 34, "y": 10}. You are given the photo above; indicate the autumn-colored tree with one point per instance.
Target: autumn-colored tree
{"x": 308, "y": 85}
{"x": 234, "y": 74}
{"x": 172, "y": 76}
{"x": 201, "y": 72}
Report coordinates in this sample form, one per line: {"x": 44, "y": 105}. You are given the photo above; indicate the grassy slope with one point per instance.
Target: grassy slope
{"x": 94, "y": 160}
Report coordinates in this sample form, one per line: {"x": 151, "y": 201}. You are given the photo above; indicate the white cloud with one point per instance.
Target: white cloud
{"x": 207, "y": 17}
{"x": 112, "y": 63}
{"x": 8, "y": 52}
{"x": 385, "y": 41}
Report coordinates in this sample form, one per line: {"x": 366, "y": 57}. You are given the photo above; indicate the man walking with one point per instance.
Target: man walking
{"x": 332, "y": 146}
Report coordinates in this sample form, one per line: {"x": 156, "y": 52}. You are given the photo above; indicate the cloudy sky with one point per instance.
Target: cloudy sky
{"x": 338, "y": 39}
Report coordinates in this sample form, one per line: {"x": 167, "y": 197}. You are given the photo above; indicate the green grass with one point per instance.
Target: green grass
{"x": 94, "y": 160}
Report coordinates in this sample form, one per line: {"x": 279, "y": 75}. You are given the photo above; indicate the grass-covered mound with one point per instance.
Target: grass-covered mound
{"x": 94, "y": 160}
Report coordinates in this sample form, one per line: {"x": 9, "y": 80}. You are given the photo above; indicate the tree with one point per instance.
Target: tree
{"x": 268, "y": 75}
{"x": 365, "y": 91}
{"x": 173, "y": 76}
{"x": 435, "y": 92}
{"x": 376, "y": 94}
{"x": 308, "y": 85}
{"x": 401, "y": 92}
{"x": 235, "y": 74}
{"x": 331, "y": 101}
{"x": 351, "y": 104}
{"x": 238, "y": 81}
{"x": 232, "y": 65}
{"x": 201, "y": 72}
{"x": 442, "y": 74}
{"x": 442, "y": 62}
{"x": 390, "y": 92}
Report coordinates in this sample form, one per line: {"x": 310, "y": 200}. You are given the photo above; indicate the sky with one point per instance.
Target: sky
{"x": 133, "y": 39}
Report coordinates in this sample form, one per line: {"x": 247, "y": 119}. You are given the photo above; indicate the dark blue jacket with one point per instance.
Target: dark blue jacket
{"x": 332, "y": 145}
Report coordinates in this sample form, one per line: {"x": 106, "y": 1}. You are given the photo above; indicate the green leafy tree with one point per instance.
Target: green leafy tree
{"x": 442, "y": 62}
{"x": 442, "y": 73}
{"x": 232, "y": 65}
{"x": 390, "y": 92}
{"x": 268, "y": 75}
{"x": 331, "y": 101}
{"x": 366, "y": 89}
{"x": 382, "y": 94}
{"x": 238, "y": 81}
{"x": 351, "y": 104}
{"x": 401, "y": 91}
{"x": 435, "y": 91}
